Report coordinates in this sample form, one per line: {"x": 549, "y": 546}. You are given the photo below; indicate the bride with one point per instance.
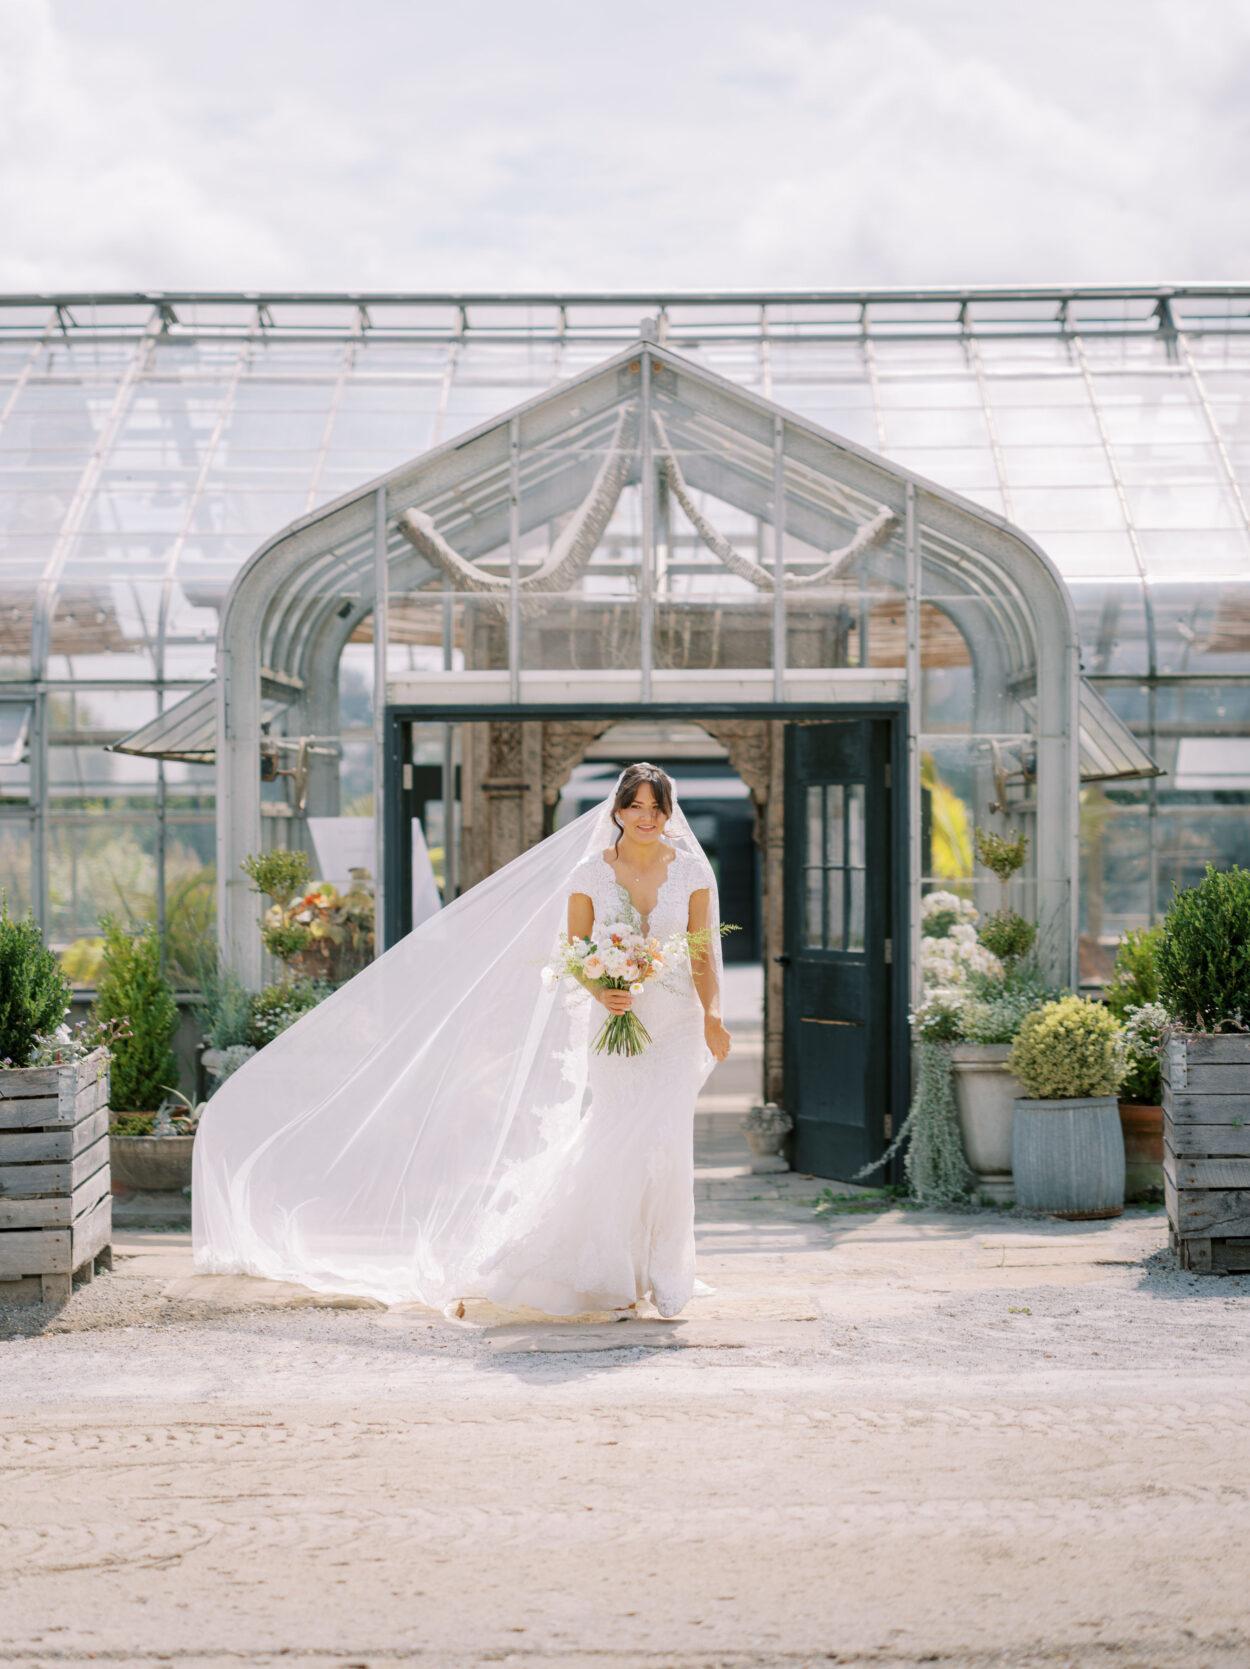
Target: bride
{"x": 441, "y": 1129}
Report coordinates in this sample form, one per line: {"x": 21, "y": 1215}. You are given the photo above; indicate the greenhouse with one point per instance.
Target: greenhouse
{"x": 397, "y": 579}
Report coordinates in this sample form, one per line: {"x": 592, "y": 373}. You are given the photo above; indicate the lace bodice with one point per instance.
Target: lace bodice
{"x": 686, "y": 874}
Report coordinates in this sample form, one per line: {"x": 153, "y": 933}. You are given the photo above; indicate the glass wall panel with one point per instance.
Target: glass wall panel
{"x": 16, "y": 847}
{"x": 102, "y": 859}
{"x": 969, "y": 783}
{"x": 1202, "y": 627}
{"x": 1114, "y": 872}
{"x": 426, "y": 631}
{"x": 107, "y": 627}
{"x": 1111, "y": 618}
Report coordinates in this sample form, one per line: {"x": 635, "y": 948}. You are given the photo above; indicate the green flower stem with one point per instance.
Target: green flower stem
{"x": 622, "y": 1034}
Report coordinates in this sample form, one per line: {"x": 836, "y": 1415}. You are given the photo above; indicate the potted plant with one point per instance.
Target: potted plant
{"x": 1132, "y": 996}
{"x": 997, "y": 1000}
{"x": 1204, "y": 985}
{"x": 132, "y": 988}
{"x": 1067, "y": 1150}
{"x": 986, "y": 1090}
{"x": 55, "y": 1210}
{"x": 224, "y": 1011}
{"x": 317, "y": 931}
{"x": 280, "y": 1005}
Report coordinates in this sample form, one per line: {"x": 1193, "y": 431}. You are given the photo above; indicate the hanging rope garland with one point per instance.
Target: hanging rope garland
{"x": 869, "y": 533}
{"x": 572, "y": 548}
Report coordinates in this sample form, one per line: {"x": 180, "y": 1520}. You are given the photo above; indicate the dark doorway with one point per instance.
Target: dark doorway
{"x": 842, "y": 865}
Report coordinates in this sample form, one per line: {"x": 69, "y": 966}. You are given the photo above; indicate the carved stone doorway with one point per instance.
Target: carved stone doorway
{"x": 512, "y": 774}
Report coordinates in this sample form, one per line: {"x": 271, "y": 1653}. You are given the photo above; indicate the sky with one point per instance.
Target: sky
{"x": 543, "y": 145}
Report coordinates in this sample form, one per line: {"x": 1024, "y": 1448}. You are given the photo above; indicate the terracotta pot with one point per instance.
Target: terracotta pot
{"x": 1142, "y": 1127}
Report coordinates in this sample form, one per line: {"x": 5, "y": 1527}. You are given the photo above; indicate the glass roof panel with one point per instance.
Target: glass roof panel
{"x": 180, "y": 452}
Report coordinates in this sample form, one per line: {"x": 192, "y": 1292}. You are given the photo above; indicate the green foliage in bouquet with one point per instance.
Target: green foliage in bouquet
{"x": 280, "y": 1005}
{"x": 1204, "y": 953}
{"x": 1135, "y": 981}
{"x": 133, "y": 989}
{"x": 1068, "y": 1048}
{"x": 34, "y": 992}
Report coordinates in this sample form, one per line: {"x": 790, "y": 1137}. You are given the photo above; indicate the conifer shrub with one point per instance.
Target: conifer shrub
{"x": 34, "y": 992}
{"x": 132, "y": 988}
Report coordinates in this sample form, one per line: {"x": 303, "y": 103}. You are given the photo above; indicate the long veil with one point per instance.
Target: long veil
{"x": 365, "y": 1148}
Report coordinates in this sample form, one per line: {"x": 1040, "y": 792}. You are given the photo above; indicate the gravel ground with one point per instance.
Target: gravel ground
{"x": 886, "y": 1438}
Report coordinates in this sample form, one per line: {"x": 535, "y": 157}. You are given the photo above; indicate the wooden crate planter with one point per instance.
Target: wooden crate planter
{"x": 1206, "y": 1149}
{"x": 55, "y": 1200}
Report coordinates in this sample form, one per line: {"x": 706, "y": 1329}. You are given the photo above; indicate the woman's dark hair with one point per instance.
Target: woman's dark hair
{"x": 631, "y": 781}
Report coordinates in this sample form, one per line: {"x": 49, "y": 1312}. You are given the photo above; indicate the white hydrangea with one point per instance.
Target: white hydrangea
{"x": 939, "y": 903}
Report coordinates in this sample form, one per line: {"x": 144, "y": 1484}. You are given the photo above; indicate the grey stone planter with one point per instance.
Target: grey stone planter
{"x": 214, "y": 1061}
{"x": 151, "y": 1164}
{"x": 766, "y": 1130}
{"x": 985, "y": 1094}
{"x": 1068, "y": 1156}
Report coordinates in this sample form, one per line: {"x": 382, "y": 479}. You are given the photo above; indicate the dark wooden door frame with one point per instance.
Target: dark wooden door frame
{"x": 397, "y": 816}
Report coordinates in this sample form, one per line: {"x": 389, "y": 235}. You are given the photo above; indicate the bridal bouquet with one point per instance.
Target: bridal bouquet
{"x": 621, "y": 958}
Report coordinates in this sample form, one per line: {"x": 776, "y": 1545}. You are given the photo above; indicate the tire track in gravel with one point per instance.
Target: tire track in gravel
{"x": 31, "y": 1443}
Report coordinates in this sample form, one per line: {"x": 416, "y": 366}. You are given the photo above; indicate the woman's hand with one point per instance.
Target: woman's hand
{"x": 716, "y": 1036}
{"x": 616, "y": 1002}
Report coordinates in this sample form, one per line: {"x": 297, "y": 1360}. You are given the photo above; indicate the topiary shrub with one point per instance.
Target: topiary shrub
{"x": 1068, "y": 1048}
{"x": 1003, "y": 854}
{"x": 34, "y": 992}
{"x": 1204, "y": 953}
{"x": 1007, "y": 935}
{"x": 132, "y": 988}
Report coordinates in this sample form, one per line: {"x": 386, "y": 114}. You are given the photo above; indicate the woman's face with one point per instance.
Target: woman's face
{"x": 642, "y": 818}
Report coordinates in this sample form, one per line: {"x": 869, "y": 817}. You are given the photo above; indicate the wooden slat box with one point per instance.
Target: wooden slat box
{"x": 56, "y": 1208}
{"x": 1206, "y": 1149}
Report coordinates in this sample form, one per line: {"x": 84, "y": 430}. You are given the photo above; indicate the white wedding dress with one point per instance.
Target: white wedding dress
{"x": 606, "y": 1216}
{"x": 440, "y": 1128}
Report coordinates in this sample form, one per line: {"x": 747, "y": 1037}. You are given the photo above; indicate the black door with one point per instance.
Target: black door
{"x": 839, "y": 880}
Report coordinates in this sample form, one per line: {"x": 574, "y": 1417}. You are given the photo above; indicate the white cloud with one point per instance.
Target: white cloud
{"x": 548, "y": 146}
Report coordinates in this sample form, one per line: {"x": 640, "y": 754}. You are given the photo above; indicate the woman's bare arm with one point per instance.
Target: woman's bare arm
{"x": 703, "y": 972}
{"x": 581, "y": 925}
